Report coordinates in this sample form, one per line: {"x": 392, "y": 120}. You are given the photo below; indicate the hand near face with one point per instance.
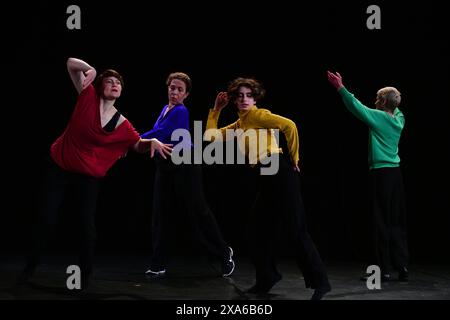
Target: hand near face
{"x": 221, "y": 101}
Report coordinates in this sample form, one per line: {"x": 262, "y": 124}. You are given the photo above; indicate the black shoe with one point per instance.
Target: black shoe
{"x": 263, "y": 287}
{"x": 403, "y": 275}
{"x": 364, "y": 277}
{"x": 86, "y": 281}
{"x": 228, "y": 264}
{"x": 386, "y": 277}
{"x": 320, "y": 292}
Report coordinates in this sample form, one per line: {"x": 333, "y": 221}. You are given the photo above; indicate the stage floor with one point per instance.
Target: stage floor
{"x": 121, "y": 277}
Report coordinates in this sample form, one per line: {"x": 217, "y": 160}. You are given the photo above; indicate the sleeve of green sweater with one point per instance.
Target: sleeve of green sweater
{"x": 363, "y": 113}
{"x": 398, "y": 114}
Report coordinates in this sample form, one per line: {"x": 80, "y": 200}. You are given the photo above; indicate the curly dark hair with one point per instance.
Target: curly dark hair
{"x": 254, "y": 85}
{"x": 180, "y": 76}
{"x": 105, "y": 74}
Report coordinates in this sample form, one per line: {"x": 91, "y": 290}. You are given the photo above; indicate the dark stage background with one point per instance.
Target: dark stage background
{"x": 288, "y": 46}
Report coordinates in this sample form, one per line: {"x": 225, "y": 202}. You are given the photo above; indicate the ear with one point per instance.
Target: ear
{"x": 187, "y": 94}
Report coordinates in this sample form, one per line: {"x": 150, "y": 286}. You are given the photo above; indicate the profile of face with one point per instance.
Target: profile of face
{"x": 245, "y": 99}
{"x": 112, "y": 88}
{"x": 177, "y": 92}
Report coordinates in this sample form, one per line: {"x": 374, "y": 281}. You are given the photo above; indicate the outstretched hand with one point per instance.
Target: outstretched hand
{"x": 296, "y": 168}
{"x": 221, "y": 101}
{"x": 335, "y": 79}
{"x": 163, "y": 149}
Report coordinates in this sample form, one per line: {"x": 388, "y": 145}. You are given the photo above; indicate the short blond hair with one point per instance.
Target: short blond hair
{"x": 391, "y": 96}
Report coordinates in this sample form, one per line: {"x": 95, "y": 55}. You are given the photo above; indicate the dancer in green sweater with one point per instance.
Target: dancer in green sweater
{"x": 388, "y": 207}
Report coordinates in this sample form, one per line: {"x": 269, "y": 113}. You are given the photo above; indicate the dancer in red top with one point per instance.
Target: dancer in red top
{"x": 96, "y": 136}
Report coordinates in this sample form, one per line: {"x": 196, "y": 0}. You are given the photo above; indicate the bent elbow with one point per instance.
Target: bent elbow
{"x": 69, "y": 62}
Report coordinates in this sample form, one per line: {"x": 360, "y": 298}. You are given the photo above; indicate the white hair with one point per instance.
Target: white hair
{"x": 391, "y": 96}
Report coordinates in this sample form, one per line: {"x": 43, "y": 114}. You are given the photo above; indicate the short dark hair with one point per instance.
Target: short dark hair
{"x": 254, "y": 85}
{"x": 180, "y": 76}
{"x": 105, "y": 74}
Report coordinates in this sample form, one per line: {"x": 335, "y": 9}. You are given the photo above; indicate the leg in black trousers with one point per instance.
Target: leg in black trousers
{"x": 183, "y": 183}
{"x": 87, "y": 191}
{"x": 189, "y": 188}
{"x": 389, "y": 219}
{"x": 51, "y": 195}
{"x": 163, "y": 202}
{"x": 264, "y": 224}
{"x": 279, "y": 199}
{"x": 308, "y": 258}
{"x": 399, "y": 243}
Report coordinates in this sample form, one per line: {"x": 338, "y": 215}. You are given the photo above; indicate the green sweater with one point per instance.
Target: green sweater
{"x": 384, "y": 131}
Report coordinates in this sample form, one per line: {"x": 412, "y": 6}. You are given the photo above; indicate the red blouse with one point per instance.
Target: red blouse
{"x": 84, "y": 147}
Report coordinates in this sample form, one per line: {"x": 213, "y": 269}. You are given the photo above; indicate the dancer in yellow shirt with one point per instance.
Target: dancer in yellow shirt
{"x": 279, "y": 199}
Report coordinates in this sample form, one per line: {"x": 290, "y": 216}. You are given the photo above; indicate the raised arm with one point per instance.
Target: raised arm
{"x": 335, "y": 80}
{"x": 355, "y": 106}
{"x": 213, "y": 117}
{"x": 81, "y": 73}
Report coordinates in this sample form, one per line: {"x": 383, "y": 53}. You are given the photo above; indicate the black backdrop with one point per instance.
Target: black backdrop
{"x": 288, "y": 46}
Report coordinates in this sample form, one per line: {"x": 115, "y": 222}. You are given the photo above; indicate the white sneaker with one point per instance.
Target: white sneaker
{"x": 155, "y": 273}
{"x": 228, "y": 264}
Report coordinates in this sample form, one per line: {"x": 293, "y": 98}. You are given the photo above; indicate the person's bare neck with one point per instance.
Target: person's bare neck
{"x": 107, "y": 105}
{"x": 169, "y": 107}
{"x": 389, "y": 112}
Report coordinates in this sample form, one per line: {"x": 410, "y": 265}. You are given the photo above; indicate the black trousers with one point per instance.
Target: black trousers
{"x": 389, "y": 218}
{"x": 279, "y": 201}
{"x": 182, "y": 186}
{"x": 54, "y": 187}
